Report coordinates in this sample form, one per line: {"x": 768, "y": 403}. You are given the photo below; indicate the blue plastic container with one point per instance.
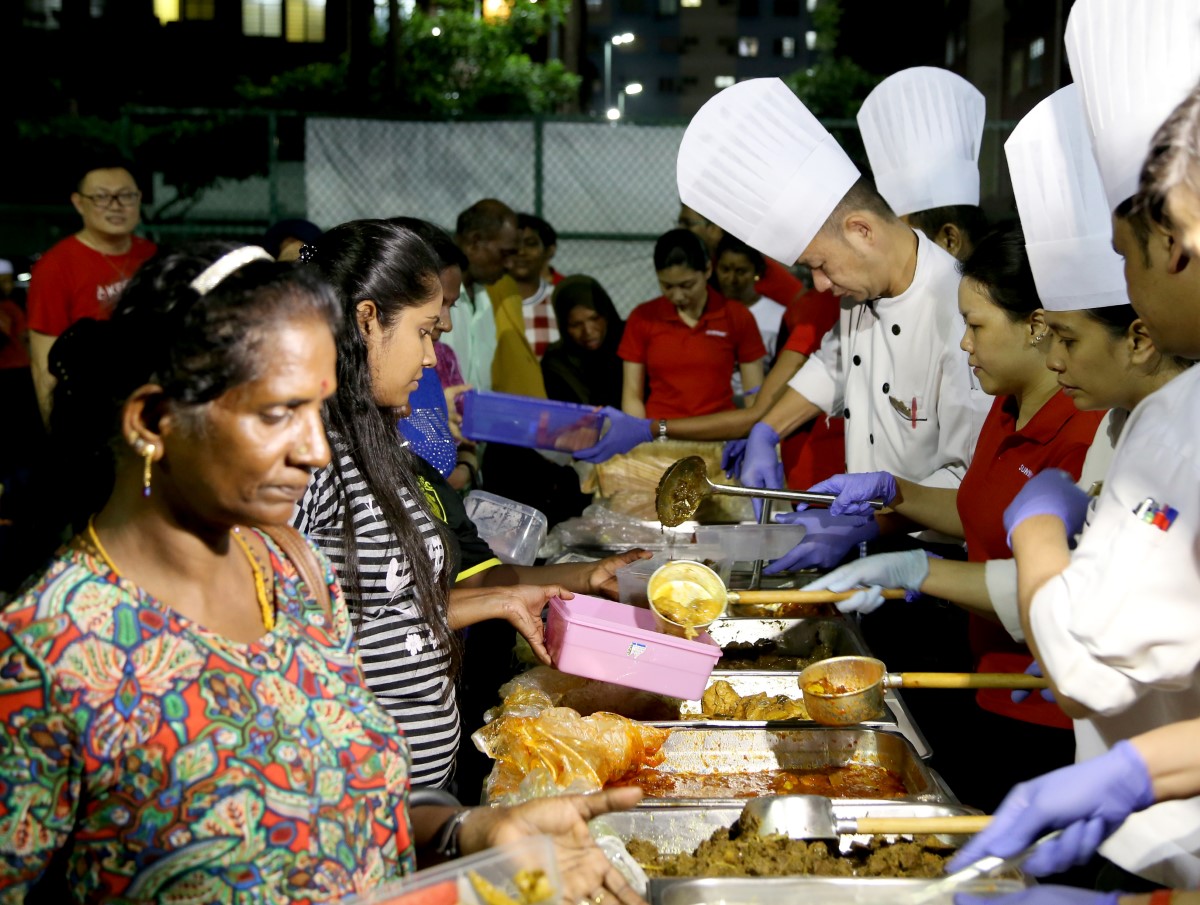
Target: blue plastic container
{"x": 526, "y": 421}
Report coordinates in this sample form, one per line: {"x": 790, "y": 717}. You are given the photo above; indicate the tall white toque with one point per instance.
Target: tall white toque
{"x": 1134, "y": 61}
{"x": 922, "y": 129}
{"x": 758, "y": 164}
{"x": 1063, "y": 208}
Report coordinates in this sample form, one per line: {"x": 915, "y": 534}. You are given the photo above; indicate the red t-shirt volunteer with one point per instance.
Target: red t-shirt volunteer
{"x": 818, "y": 449}
{"x": 73, "y": 281}
{"x": 688, "y": 368}
{"x": 1057, "y": 436}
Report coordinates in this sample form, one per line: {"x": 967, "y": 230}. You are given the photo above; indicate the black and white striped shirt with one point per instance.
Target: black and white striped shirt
{"x": 404, "y": 666}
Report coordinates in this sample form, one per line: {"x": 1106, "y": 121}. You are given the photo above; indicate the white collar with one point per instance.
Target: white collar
{"x": 543, "y": 291}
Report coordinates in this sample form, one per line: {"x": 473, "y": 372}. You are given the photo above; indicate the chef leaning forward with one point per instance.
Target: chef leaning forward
{"x": 1116, "y": 624}
{"x": 755, "y": 161}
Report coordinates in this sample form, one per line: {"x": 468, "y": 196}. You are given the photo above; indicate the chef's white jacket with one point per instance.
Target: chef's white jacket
{"x": 1119, "y": 629}
{"x": 894, "y": 370}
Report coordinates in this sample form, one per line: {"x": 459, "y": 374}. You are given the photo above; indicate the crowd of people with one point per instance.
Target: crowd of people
{"x": 249, "y": 626}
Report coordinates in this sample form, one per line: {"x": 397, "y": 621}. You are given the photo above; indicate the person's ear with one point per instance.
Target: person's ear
{"x": 1139, "y": 345}
{"x": 77, "y": 202}
{"x": 551, "y": 250}
{"x": 366, "y": 313}
{"x": 950, "y": 237}
{"x": 1037, "y": 325}
{"x": 857, "y": 227}
{"x": 1177, "y": 256}
{"x": 708, "y": 271}
{"x": 146, "y": 420}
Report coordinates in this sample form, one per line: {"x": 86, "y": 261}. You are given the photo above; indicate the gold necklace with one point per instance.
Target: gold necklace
{"x": 260, "y": 588}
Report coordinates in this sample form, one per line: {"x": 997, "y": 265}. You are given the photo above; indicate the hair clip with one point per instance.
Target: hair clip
{"x": 227, "y": 264}
{"x": 308, "y": 253}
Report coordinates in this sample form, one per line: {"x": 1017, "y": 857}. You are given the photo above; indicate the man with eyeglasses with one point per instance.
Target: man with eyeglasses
{"x": 83, "y": 274}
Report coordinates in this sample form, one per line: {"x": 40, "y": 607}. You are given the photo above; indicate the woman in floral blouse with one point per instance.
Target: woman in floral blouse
{"x": 183, "y": 710}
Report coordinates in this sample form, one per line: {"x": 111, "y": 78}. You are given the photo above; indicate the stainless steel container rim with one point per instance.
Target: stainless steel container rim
{"x": 823, "y": 666}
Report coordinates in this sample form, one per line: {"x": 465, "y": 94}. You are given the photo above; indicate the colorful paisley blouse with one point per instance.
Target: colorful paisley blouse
{"x": 177, "y": 766}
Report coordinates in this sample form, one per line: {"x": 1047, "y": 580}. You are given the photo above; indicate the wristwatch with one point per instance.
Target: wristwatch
{"x": 447, "y": 836}
{"x": 662, "y": 428}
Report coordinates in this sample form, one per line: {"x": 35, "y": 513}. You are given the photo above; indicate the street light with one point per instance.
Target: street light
{"x": 613, "y": 114}
{"x": 614, "y": 41}
{"x": 630, "y": 89}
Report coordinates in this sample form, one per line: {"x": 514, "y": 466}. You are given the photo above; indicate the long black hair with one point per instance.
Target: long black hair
{"x": 680, "y": 248}
{"x": 999, "y": 265}
{"x": 164, "y": 332}
{"x": 394, "y": 268}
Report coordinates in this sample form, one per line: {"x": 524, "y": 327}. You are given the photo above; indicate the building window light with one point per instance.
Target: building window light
{"x": 787, "y": 48}
{"x": 723, "y": 81}
{"x": 810, "y": 40}
{"x": 747, "y": 47}
{"x": 262, "y": 18}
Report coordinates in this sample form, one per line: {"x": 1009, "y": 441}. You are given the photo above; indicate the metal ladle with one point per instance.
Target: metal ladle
{"x": 852, "y": 687}
{"x": 685, "y": 485}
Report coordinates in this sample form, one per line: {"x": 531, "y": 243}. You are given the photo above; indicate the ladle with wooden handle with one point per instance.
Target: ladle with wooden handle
{"x": 813, "y": 817}
{"x": 685, "y": 485}
{"x": 687, "y": 570}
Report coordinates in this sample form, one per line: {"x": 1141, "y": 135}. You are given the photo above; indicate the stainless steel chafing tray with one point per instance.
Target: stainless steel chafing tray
{"x": 734, "y": 750}
{"x": 791, "y": 637}
{"x": 823, "y": 890}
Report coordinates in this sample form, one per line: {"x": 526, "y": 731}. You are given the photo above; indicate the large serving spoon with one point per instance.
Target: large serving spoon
{"x": 710, "y": 581}
{"x": 813, "y": 817}
{"x": 685, "y": 485}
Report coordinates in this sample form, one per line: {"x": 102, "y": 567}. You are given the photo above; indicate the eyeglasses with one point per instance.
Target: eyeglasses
{"x": 104, "y": 200}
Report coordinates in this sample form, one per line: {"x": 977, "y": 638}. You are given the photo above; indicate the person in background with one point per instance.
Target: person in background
{"x": 738, "y": 267}
{"x": 284, "y": 239}
{"x": 536, "y": 243}
{"x": 922, "y": 129}
{"x": 583, "y": 366}
{"x": 486, "y": 233}
{"x": 367, "y": 509}
{"x": 681, "y": 349}
{"x": 1171, "y": 180}
{"x": 82, "y": 275}
{"x": 18, "y": 401}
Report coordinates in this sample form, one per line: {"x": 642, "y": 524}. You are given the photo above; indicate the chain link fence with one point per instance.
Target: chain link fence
{"x": 607, "y": 188}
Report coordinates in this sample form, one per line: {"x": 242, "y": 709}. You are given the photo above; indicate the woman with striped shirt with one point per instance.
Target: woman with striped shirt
{"x": 366, "y": 509}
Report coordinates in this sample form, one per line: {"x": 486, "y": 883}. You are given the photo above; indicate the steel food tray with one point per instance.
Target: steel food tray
{"x": 823, "y": 890}
{"x": 792, "y": 637}
{"x": 701, "y": 750}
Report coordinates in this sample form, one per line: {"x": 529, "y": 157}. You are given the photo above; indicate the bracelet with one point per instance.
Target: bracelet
{"x": 662, "y": 428}
{"x": 447, "y": 836}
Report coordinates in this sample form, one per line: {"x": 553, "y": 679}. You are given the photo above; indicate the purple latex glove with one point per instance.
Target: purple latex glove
{"x": 1043, "y": 895}
{"x": 853, "y": 491}
{"x": 827, "y": 541}
{"x": 623, "y": 434}
{"x": 1088, "y": 801}
{"x": 1049, "y": 492}
{"x": 732, "y": 456}
{"x": 906, "y": 569}
{"x": 1020, "y": 694}
{"x": 760, "y": 464}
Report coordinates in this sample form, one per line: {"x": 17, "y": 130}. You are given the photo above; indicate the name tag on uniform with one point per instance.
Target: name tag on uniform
{"x": 715, "y": 333}
{"x": 1160, "y": 515}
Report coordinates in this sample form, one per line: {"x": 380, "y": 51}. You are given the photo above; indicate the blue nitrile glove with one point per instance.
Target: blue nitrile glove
{"x": 1088, "y": 801}
{"x": 853, "y": 491}
{"x": 760, "y": 465}
{"x": 1020, "y": 694}
{"x": 907, "y": 569}
{"x": 732, "y": 456}
{"x": 623, "y": 434}
{"x": 827, "y": 541}
{"x": 1043, "y": 895}
{"x": 1049, "y": 492}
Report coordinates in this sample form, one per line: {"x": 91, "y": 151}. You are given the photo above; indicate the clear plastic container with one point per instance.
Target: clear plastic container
{"x": 530, "y": 422}
{"x": 612, "y": 642}
{"x": 513, "y": 530}
{"x": 632, "y": 578}
{"x": 746, "y": 543}
{"x": 512, "y": 869}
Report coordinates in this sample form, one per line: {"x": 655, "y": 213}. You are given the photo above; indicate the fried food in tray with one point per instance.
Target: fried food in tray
{"x": 765, "y": 654}
{"x": 849, "y": 781}
{"x": 721, "y": 702}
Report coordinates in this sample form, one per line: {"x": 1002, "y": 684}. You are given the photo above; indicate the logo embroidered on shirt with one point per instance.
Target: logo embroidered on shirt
{"x": 715, "y": 333}
{"x": 1160, "y": 515}
{"x": 1025, "y": 470}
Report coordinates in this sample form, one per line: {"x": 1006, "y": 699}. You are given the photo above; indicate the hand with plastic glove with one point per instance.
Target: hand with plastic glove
{"x": 760, "y": 463}
{"x": 731, "y": 457}
{"x": 623, "y": 434}
{"x": 1087, "y": 801}
{"x": 827, "y": 541}
{"x": 1043, "y": 895}
{"x": 855, "y": 490}
{"x": 1049, "y": 492}
{"x": 1020, "y": 694}
{"x": 906, "y": 569}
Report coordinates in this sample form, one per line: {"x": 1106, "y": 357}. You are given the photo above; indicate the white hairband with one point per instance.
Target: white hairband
{"x": 225, "y": 265}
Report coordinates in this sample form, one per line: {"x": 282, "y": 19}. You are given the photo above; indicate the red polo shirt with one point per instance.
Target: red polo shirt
{"x": 72, "y": 281}
{"x": 1057, "y": 436}
{"x": 779, "y": 283}
{"x": 688, "y": 368}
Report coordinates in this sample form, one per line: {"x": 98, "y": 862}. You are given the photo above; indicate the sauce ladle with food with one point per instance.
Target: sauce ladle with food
{"x": 845, "y": 691}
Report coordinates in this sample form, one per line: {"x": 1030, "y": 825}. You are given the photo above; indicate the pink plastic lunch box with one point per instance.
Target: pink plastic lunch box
{"x": 600, "y": 639}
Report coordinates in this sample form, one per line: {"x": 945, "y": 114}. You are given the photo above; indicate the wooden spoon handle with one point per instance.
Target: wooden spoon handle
{"x": 801, "y": 596}
{"x": 968, "y": 680}
{"x": 965, "y": 823}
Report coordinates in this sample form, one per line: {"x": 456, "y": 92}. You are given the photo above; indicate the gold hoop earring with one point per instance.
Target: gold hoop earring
{"x": 147, "y": 459}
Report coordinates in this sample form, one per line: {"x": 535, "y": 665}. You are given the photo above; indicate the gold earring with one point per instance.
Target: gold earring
{"x": 147, "y": 459}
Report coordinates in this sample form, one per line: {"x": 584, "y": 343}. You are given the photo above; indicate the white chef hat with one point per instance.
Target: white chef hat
{"x": 1064, "y": 212}
{"x": 758, "y": 164}
{"x": 1133, "y": 61}
{"x": 922, "y": 128}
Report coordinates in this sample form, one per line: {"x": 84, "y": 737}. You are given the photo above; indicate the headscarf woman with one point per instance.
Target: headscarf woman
{"x": 583, "y": 365}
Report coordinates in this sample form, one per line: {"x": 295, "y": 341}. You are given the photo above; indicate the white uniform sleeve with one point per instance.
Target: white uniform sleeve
{"x": 1000, "y": 578}
{"x": 819, "y": 379}
{"x": 1124, "y": 617}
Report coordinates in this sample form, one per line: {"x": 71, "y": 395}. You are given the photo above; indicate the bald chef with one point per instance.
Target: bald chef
{"x": 755, "y": 161}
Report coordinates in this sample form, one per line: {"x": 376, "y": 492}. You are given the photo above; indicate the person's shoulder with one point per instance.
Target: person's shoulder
{"x": 60, "y": 254}
{"x": 59, "y": 595}
{"x": 655, "y": 309}
{"x": 142, "y": 248}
